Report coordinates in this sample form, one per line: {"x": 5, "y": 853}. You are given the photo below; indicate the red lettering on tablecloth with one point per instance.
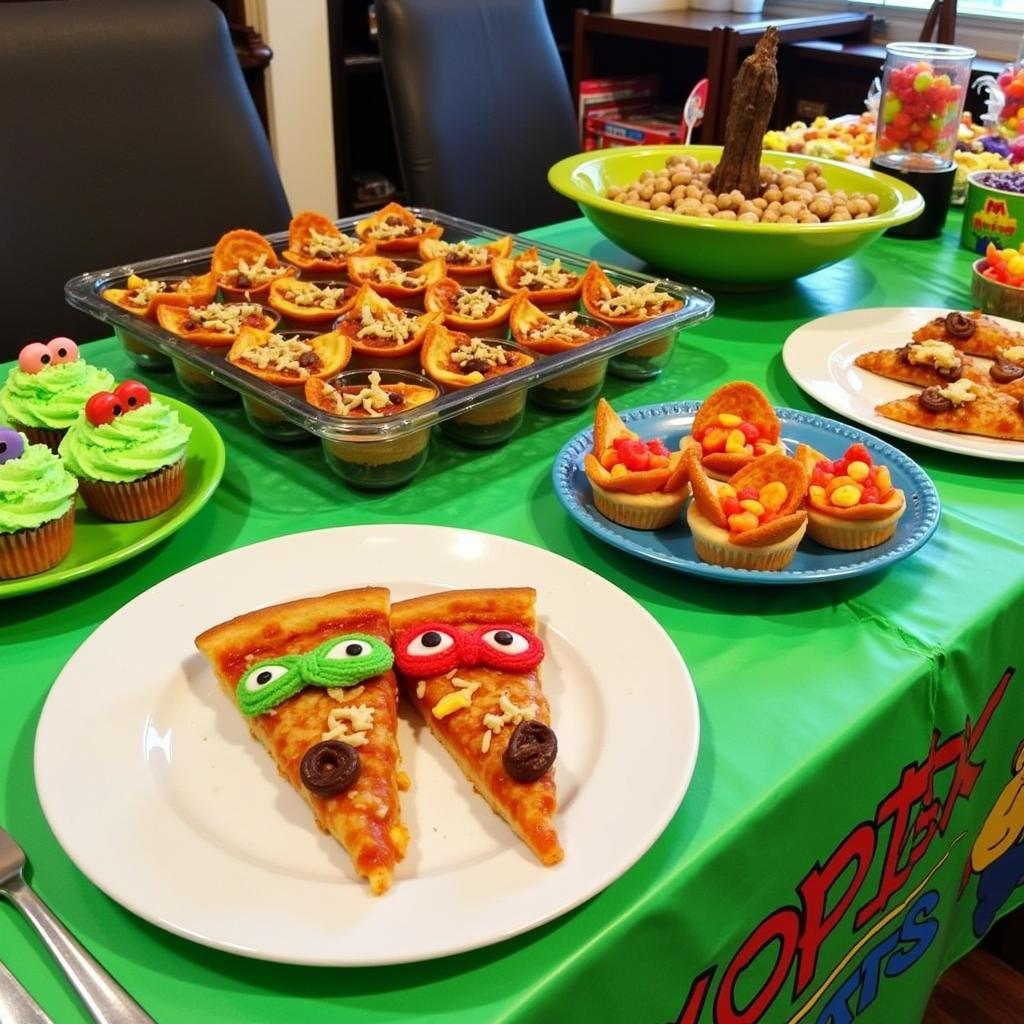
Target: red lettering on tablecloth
{"x": 857, "y": 848}
{"x": 783, "y": 927}
{"x": 694, "y": 1005}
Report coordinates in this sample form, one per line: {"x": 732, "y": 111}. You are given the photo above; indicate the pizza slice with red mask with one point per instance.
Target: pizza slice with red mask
{"x": 470, "y": 662}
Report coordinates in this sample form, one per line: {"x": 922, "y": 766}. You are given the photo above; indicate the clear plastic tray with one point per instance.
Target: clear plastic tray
{"x": 84, "y": 293}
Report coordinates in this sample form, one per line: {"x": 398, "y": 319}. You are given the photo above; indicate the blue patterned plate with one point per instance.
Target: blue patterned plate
{"x": 673, "y": 546}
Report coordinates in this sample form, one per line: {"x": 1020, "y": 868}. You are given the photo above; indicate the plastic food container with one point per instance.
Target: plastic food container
{"x": 994, "y": 210}
{"x": 284, "y": 414}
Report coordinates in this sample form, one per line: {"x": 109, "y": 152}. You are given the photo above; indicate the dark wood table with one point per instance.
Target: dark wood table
{"x": 725, "y": 36}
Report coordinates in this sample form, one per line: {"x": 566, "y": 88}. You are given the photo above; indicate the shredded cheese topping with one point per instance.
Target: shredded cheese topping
{"x": 463, "y": 252}
{"x": 142, "y": 295}
{"x": 461, "y": 697}
{"x": 398, "y": 277}
{"x": 1015, "y": 354}
{"x": 421, "y": 689}
{"x": 535, "y": 275}
{"x": 939, "y": 354}
{"x": 280, "y": 353}
{"x": 629, "y": 300}
{"x": 371, "y": 399}
{"x": 475, "y": 303}
{"x": 392, "y": 226}
{"x": 477, "y": 356}
{"x": 560, "y": 328}
{"x": 343, "y": 694}
{"x": 223, "y": 317}
{"x": 369, "y": 802}
{"x": 307, "y": 294}
{"x": 385, "y": 326}
{"x": 960, "y": 392}
{"x": 255, "y": 273}
{"x": 329, "y": 247}
{"x": 511, "y": 713}
{"x": 350, "y": 724}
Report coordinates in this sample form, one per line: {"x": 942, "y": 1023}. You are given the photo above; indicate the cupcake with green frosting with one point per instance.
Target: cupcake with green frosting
{"x": 37, "y": 507}
{"x": 128, "y": 451}
{"x": 49, "y": 387}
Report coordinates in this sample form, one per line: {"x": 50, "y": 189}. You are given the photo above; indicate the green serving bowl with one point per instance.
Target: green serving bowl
{"x": 722, "y": 252}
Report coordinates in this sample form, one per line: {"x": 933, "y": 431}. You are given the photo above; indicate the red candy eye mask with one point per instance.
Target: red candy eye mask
{"x": 434, "y": 648}
{"x": 105, "y": 406}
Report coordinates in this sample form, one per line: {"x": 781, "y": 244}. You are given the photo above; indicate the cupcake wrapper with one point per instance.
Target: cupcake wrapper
{"x": 42, "y": 435}
{"x": 637, "y": 517}
{"x": 736, "y": 556}
{"x": 139, "y": 499}
{"x": 849, "y": 540}
{"x": 28, "y": 552}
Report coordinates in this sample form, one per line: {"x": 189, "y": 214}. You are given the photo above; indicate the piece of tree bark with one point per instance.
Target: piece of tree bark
{"x": 753, "y": 96}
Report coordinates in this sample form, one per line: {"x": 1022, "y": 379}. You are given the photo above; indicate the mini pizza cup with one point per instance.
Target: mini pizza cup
{"x": 466, "y": 307}
{"x": 183, "y": 322}
{"x": 853, "y": 528}
{"x": 245, "y": 265}
{"x": 768, "y": 546}
{"x": 156, "y": 293}
{"x": 313, "y": 301}
{"x": 458, "y": 361}
{"x": 466, "y": 259}
{"x": 366, "y": 461}
{"x": 726, "y": 412}
{"x": 392, "y": 279}
{"x": 544, "y": 334}
{"x": 393, "y": 229}
{"x": 317, "y": 246}
{"x": 331, "y": 351}
{"x": 549, "y": 284}
{"x": 383, "y": 334}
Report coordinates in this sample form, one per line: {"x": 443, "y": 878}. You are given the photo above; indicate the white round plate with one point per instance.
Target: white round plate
{"x": 820, "y": 357}
{"x": 189, "y": 826}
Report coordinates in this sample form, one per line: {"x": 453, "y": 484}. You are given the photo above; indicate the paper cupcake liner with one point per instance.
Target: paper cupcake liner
{"x": 736, "y": 556}
{"x": 137, "y": 499}
{"x": 28, "y": 552}
{"x": 634, "y": 514}
{"x": 866, "y": 535}
{"x": 41, "y": 435}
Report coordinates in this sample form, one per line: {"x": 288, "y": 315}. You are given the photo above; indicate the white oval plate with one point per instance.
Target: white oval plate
{"x": 820, "y": 357}
{"x": 188, "y": 825}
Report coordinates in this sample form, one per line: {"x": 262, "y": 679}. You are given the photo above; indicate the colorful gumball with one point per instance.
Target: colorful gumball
{"x": 11, "y": 445}
{"x": 102, "y": 408}
{"x": 34, "y": 357}
{"x": 62, "y": 350}
{"x": 132, "y": 394}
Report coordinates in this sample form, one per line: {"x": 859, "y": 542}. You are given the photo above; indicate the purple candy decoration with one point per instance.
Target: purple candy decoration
{"x": 995, "y": 144}
{"x": 11, "y": 445}
{"x": 1005, "y": 181}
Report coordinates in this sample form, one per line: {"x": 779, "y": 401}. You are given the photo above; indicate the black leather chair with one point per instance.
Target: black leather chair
{"x": 481, "y": 107}
{"x": 128, "y": 134}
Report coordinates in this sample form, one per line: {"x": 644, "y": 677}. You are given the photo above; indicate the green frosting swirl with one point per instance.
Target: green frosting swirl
{"x": 127, "y": 448}
{"x": 54, "y": 397}
{"x": 34, "y": 489}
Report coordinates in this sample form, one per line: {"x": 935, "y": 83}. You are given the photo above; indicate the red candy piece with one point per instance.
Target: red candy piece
{"x": 748, "y": 494}
{"x": 731, "y": 506}
{"x": 133, "y": 394}
{"x": 870, "y": 496}
{"x": 750, "y": 432}
{"x": 102, "y": 408}
{"x": 858, "y": 453}
{"x": 657, "y": 447}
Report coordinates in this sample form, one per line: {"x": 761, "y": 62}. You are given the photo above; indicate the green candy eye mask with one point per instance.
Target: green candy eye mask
{"x": 341, "y": 661}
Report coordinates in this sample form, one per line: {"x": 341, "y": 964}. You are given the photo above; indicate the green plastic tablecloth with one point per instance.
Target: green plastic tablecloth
{"x": 855, "y": 736}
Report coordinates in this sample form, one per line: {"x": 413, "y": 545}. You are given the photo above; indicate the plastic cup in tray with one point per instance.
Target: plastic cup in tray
{"x": 638, "y": 352}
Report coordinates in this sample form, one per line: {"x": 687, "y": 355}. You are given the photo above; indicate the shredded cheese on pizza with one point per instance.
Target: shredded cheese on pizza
{"x": 279, "y": 353}
{"x": 372, "y": 399}
{"x": 369, "y": 802}
{"x": 223, "y": 317}
{"x": 511, "y": 713}
{"x": 342, "y": 694}
{"x": 256, "y": 273}
{"x": 385, "y": 326}
{"x": 329, "y": 247}
{"x": 141, "y": 296}
{"x": 474, "y": 303}
{"x": 462, "y": 252}
{"x": 478, "y": 356}
{"x": 350, "y": 724}
{"x": 398, "y": 277}
{"x": 535, "y": 275}
{"x": 307, "y": 294}
{"x": 628, "y": 300}
{"x": 1014, "y": 354}
{"x": 461, "y": 697}
{"x": 960, "y": 392}
{"x": 939, "y": 354}
{"x": 560, "y": 328}
{"x": 392, "y": 227}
